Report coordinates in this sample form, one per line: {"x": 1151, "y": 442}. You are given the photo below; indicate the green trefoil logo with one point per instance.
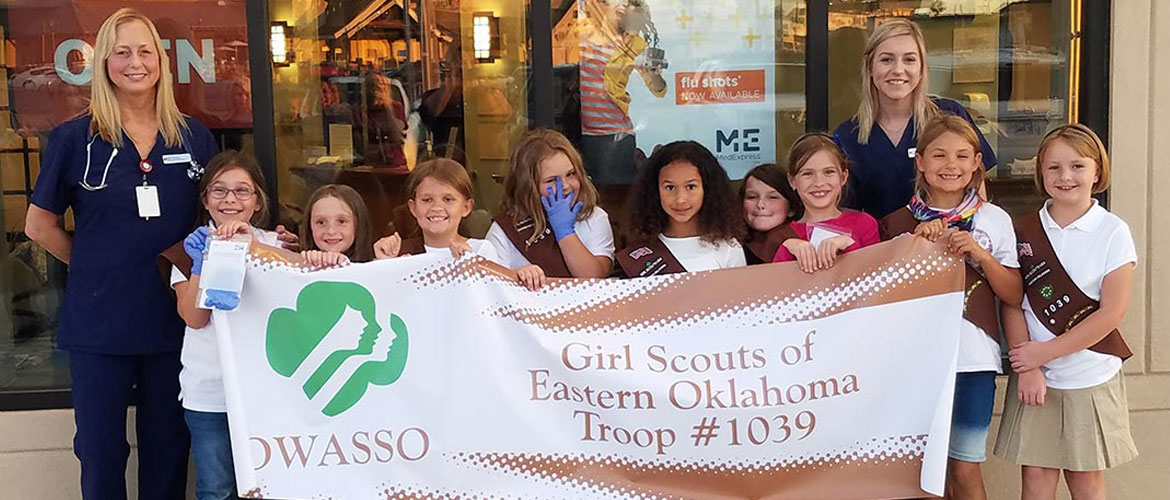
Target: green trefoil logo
{"x": 292, "y": 334}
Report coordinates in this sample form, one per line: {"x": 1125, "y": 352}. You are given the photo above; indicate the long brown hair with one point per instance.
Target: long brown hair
{"x": 230, "y": 159}
{"x": 362, "y": 249}
{"x": 444, "y": 170}
{"x": 521, "y": 196}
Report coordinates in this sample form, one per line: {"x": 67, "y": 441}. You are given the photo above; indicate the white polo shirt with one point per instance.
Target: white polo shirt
{"x": 594, "y": 232}
{"x": 201, "y": 381}
{"x": 1089, "y": 248}
{"x": 697, "y": 255}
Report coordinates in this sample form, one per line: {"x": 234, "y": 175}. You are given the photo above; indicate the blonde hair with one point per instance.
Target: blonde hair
{"x": 1086, "y": 143}
{"x": 521, "y": 187}
{"x": 924, "y": 108}
{"x": 103, "y": 103}
{"x": 934, "y": 129}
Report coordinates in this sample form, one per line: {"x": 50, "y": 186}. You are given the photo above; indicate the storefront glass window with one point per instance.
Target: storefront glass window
{"x": 44, "y": 80}
{"x": 375, "y": 87}
{"x": 1007, "y": 62}
{"x": 646, "y": 73}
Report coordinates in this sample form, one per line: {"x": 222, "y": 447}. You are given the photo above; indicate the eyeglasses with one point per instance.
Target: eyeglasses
{"x": 242, "y": 194}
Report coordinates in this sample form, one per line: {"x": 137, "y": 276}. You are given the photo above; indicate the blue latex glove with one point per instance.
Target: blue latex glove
{"x": 561, "y": 210}
{"x": 195, "y": 244}
{"x": 222, "y": 300}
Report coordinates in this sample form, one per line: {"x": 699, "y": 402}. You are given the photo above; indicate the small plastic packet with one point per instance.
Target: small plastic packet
{"x": 223, "y": 272}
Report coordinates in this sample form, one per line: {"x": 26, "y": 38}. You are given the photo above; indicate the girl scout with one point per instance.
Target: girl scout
{"x": 1066, "y": 409}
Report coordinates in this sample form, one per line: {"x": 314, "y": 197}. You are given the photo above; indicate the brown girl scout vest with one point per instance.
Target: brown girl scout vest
{"x": 762, "y": 248}
{"x": 1055, "y": 299}
{"x": 543, "y": 252}
{"x": 174, "y": 256}
{"x": 412, "y": 246}
{"x": 648, "y": 257}
{"x": 978, "y": 299}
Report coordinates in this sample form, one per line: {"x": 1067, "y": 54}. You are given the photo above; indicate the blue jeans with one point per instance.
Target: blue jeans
{"x": 971, "y": 417}
{"x": 211, "y": 448}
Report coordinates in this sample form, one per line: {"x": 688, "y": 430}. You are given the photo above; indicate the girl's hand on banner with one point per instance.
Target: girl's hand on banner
{"x": 233, "y": 228}
{"x": 830, "y": 248}
{"x": 962, "y": 243}
{"x": 288, "y": 239}
{"x": 931, "y": 229}
{"x": 531, "y": 276}
{"x": 388, "y": 247}
{"x": 805, "y": 253}
{"x": 459, "y": 248}
{"x": 318, "y": 259}
{"x": 1031, "y": 388}
{"x": 1028, "y": 356}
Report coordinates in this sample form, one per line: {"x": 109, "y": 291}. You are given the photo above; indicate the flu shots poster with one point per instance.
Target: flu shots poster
{"x": 667, "y": 70}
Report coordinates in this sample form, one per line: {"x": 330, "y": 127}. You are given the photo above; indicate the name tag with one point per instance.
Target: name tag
{"x": 176, "y": 158}
{"x": 911, "y": 152}
{"x": 147, "y": 201}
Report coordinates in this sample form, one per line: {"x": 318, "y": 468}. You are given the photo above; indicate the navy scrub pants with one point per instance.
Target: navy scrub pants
{"x": 103, "y": 387}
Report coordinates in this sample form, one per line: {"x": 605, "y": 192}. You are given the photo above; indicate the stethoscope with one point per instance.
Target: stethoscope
{"x": 85, "y": 176}
{"x": 194, "y": 171}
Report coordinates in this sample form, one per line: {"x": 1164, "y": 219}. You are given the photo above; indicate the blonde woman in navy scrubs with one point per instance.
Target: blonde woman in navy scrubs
{"x": 880, "y": 140}
{"x": 129, "y": 169}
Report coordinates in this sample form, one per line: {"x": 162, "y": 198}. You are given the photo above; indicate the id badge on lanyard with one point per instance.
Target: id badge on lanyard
{"x": 146, "y": 194}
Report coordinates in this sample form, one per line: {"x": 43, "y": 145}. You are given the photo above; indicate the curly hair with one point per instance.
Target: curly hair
{"x": 720, "y": 217}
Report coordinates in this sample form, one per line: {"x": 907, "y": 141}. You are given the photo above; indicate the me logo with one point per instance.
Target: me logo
{"x": 339, "y": 316}
{"x": 740, "y": 140}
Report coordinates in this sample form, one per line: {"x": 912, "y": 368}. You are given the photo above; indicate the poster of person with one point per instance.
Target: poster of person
{"x": 657, "y": 71}
{"x": 52, "y": 67}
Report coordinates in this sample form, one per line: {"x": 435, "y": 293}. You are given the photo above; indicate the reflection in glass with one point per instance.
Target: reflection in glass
{"x": 1006, "y": 62}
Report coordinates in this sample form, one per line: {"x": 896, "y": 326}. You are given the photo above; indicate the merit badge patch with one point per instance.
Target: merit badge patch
{"x": 640, "y": 252}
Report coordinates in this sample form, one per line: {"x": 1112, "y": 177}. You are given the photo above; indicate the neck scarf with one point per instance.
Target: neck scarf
{"x": 962, "y": 216}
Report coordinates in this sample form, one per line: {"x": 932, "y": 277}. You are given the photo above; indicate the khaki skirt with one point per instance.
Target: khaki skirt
{"x": 1078, "y": 430}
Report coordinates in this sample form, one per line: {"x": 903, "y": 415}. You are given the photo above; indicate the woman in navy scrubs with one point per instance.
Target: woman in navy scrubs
{"x": 129, "y": 170}
{"x": 880, "y": 140}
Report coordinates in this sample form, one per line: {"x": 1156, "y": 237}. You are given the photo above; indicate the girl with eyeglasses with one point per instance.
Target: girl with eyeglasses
{"x": 233, "y": 199}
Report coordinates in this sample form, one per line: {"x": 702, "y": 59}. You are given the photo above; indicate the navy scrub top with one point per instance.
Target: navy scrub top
{"x": 115, "y": 301}
{"x": 881, "y": 176}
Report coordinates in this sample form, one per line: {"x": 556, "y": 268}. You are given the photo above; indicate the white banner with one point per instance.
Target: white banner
{"x": 427, "y": 377}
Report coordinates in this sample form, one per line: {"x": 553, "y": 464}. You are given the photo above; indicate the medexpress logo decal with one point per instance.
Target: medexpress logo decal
{"x": 321, "y": 310}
